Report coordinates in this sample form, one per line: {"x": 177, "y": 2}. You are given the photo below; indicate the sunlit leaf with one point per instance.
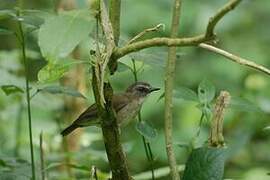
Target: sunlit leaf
{"x": 61, "y": 90}
{"x": 185, "y": 94}
{"x": 241, "y": 104}
{"x": 52, "y": 72}
{"x": 58, "y": 36}
{"x": 208, "y": 163}
{"x": 206, "y": 92}
{"x": 146, "y": 130}
{"x": 11, "y": 89}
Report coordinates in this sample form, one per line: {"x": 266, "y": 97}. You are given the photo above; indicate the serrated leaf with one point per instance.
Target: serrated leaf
{"x": 58, "y": 36}
{"x": 206, "y": 92}
{"x": 185, "y": 94}
{"x": 61, "y": 90}
{"x": 5, "y": 31}
{"x": 11, "y": 89}
{"x": 242, "y": 104}
{"x": 205, "y": 164}
{"x": 52, "y": 72}
{"x": 146, "y": 130}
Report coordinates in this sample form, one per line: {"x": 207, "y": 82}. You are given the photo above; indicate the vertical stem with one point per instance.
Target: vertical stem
{"x": 169, "y": 78}
{"x": 42, "y": 165}
{"x": 115, "y": 12}
{"x": 25, "y": 62}
{"x": 147, "y": 146}
{"x": 18, "y": 131}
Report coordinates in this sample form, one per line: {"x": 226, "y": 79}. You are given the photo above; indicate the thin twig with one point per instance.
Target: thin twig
{"x": 169, "y": 79}
{"x": 42, "y": 163}
{"x": 235, "y": 58}
{"x": 138, "y": 36}
{"x": 219, "y": 15}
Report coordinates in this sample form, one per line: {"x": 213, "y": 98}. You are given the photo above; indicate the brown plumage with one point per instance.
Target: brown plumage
{"x": 126, "y": 106}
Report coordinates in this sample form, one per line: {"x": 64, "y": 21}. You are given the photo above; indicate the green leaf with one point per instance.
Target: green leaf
{"x": 185, "y": 94}
{"x": 205, "y": 164}
{"x": 7, "y": 14}
{"x": 207, "y": 112}
{"x": 52, "y": 72}
{"x": 241, "y": 104}
{"x": 58, "y": 36}
{"x": 11, "y": 89}
{"x": 61, "y": 90}
{"x": 206, "y": 92}
{"x": 5, "y": 31}
{"x": 146, "y": 130}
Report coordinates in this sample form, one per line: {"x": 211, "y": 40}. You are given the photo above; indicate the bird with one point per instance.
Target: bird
{"x": 126, "y": 105}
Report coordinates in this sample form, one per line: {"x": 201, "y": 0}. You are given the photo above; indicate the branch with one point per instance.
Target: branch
{"x": 169, "y": 79}
{"x": 155, "y": 42}
{"x": 219, "y": 15}
{"x": 115, "y": 12}
{"x": 190, "y": 41}
{"x": 216, "y": 133}
{"x": 235, "y": 58}
{"x": 156, "y": 28}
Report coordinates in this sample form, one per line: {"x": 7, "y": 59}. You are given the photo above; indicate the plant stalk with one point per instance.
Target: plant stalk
{"x": 25, "y": 62}
{"x": 169, "y": 79}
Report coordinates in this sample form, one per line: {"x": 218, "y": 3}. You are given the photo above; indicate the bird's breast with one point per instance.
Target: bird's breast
{"x": 129, "y": 112}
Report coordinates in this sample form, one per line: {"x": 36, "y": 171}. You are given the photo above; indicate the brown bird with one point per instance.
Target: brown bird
{"x": 126, "y": 106}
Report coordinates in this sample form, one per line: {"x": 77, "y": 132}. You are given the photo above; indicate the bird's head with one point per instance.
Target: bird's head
{"x": 141, "y": 89}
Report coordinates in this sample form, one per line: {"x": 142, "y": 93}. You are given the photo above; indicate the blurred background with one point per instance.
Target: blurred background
{"x": 244, "y": 31}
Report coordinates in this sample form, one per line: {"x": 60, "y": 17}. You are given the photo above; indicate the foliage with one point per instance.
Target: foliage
{"x": 51, "y": 39}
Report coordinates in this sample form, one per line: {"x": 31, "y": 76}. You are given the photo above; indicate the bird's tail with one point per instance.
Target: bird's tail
{"x": 69, "y": 129}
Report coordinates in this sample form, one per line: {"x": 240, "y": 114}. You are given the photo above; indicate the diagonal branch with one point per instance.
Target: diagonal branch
{"x": 219, "y": 15}
{"x": 153, "y": 29}
{"x": 188, "y": 41}
{"x": 235, "y": 58}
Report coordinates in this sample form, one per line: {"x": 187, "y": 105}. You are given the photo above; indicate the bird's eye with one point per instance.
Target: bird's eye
{"x": 142, "y": 89}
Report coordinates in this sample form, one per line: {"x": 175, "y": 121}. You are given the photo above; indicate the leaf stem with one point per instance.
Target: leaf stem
{"x": 25, "y": 62}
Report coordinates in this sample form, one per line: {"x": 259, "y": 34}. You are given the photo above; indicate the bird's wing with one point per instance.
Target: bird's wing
{"x": 88, "y": 117}
{"x": 119, "y": 101}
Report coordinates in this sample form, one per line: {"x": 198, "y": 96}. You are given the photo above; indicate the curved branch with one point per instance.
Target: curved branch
{"x": 161, "y": 41}
{"x": 219, "y": 15}
{"x": 235, "y": 58}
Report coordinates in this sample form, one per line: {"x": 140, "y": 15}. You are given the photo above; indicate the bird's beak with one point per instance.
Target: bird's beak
{"x": 154, "y": 89}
